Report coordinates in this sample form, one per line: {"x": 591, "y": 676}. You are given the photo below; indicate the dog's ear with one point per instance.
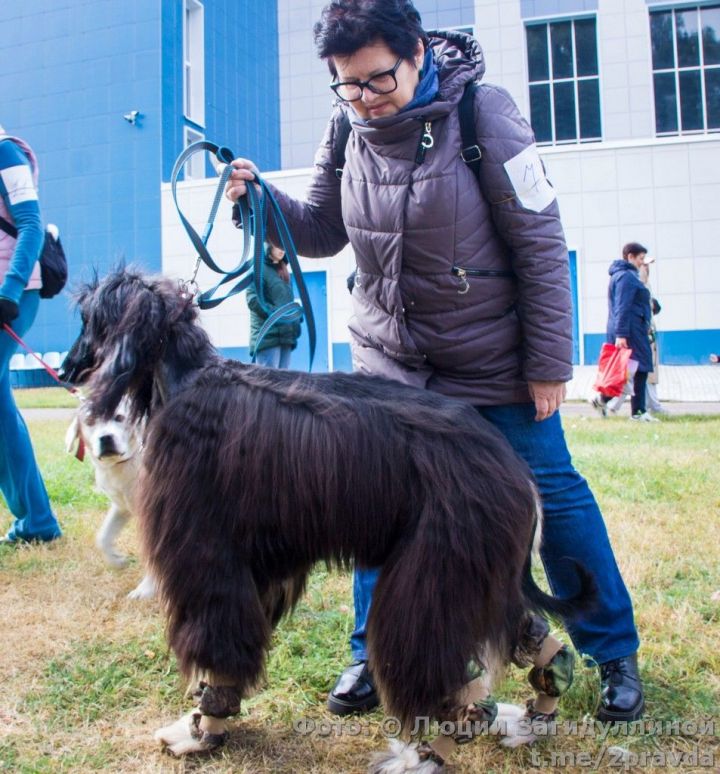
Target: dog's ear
{"x": 131, "y": 350}
{"x": 72, "y": 435}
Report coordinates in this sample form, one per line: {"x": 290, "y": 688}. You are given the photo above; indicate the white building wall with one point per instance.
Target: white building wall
{"x": 631, "y": 187}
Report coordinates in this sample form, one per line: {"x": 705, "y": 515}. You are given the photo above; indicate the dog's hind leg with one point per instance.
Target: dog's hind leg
{"x": 551, "y": 676}
{"x": 107, "y": 535}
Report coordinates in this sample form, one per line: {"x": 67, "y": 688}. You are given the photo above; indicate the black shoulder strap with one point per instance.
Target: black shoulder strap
{"x": 8, "y": 228}
{"x": 342, "y": 133}
{"x": 470, "y": 153}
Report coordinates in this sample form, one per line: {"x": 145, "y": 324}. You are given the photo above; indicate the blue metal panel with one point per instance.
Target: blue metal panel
{"x": 242, "y": 81}
{"x": 572, "y": 255}
{"x": 342, "y": 357}
{"x": 676, "y": 347}
{"x": 67, "y": 76}
{"x": 316, "y": 282}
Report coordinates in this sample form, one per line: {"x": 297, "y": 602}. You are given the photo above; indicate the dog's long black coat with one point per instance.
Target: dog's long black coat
{"x": 252, "y": 475}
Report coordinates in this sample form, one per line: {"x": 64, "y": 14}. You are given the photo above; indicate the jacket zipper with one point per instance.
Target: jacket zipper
{"x": 426, "y": 142}
{"x": 463, "y": 274}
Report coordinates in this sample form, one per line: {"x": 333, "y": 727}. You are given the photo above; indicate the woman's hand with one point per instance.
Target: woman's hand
{"x": 621, "y": 342}
{"x": 244, "y": 171}
{"x": 548, "y": 397}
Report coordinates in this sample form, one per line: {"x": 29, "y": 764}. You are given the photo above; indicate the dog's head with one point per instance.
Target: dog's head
{"x": 107, "y": 441}
{"x": 130, "y": 323}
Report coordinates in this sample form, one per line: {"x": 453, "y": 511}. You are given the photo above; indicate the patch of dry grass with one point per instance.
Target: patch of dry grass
{"x": 87, "y": 677}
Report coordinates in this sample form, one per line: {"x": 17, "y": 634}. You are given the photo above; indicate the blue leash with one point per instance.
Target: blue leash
{"x": 254, "y": 209}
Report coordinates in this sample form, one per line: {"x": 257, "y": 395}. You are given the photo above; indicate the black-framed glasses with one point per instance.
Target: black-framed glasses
{"x": 382, "y": 83}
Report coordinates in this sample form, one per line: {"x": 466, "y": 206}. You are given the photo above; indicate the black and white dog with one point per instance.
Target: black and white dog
{"x": 114, "y": 446}
{"x": 252, "y": 475}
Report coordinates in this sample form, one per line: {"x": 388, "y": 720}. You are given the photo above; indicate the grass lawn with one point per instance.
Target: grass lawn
{"x": 86, "y": 676}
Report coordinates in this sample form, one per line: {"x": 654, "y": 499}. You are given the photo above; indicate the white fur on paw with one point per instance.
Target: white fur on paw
{"x": 144, "y": 590}
{"x": 512, "y": 724}
{"x": 177, "y": 737}
{"x": 400, "y": 759}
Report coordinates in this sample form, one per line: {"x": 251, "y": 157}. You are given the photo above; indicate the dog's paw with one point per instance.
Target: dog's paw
{"x": 185, "y": 736}
{"x": 401, "y": 759}
{"x": 513, "y": 724}
{"x": 146, "y": 589}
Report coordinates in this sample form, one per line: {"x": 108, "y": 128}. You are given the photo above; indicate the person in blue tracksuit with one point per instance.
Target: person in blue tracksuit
{"x": 20, "y": 480}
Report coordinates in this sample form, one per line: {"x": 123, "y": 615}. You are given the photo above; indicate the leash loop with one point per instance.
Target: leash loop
{"x": 255, "y": 207}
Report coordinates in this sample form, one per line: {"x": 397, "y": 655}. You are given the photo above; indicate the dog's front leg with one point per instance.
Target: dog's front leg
{"x": 108, "y": 533}
{"x": 205, "y": 728}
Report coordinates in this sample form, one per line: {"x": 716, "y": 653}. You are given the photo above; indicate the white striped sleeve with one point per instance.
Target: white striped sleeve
{"x": 18, "y": 182}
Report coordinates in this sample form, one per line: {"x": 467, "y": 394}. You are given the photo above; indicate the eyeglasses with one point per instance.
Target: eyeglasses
{"x": 382, "y": 83}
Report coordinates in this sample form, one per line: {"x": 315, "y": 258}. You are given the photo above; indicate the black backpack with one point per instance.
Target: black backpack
{"x": 53, "y": 263}
{"x": 470, "y": 153}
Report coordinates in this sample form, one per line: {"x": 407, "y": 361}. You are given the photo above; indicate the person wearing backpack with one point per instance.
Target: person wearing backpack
{"x": 462, "y": 286}
{"x": 20, "y": 479}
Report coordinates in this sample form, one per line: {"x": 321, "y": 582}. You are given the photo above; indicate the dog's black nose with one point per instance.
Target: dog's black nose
{"x": 106, "y": 444}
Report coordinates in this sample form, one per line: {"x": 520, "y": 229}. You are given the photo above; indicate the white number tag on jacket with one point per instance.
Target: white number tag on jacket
{"x": 527, "y": 176}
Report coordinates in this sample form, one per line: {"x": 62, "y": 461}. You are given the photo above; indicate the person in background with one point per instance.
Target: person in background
{"x": 20, "y": 480}
{"x": 652, "y": 401}
{"x": 277, "y": 345}
{"x": 629, "y": 320}
{"x": 462, "y": 287}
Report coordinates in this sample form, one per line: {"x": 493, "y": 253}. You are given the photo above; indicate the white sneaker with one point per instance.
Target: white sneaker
{"x": 597, "y": 403}
{"x": 644, "y": 418}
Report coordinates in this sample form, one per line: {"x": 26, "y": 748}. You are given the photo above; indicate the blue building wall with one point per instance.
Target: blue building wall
{"x": 242, "y": 85}
{"x": 69, "y": 72}
{"x": 67, "y": 76}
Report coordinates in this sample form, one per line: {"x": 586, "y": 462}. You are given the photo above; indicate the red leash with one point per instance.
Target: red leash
{"x": 49, "y": 369}
{"x": 80, "y": 454}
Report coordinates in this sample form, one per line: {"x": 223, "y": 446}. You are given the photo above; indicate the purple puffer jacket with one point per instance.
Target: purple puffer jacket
{"x": 463, "y": 289}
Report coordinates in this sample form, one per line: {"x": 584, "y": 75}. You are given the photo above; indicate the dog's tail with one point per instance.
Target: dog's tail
{"x": 575, "y": 606}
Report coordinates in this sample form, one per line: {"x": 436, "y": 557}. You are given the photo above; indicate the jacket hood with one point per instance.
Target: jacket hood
{"x": 621, "y": 265}
{"x": 459, "y": 59}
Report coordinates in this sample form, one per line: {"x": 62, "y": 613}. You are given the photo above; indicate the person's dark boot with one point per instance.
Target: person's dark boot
{"x": 621, "y": 692}
{"x": 354, "y": 691}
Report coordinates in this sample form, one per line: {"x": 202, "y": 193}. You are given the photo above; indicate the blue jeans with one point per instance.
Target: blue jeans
{"x": 573, "y": 527}
{"x": 20, "y": 479}
{"x": 275, "y": 357}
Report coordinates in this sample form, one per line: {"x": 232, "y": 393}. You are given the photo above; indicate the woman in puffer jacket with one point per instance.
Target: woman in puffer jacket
{"x": 462, "y": 286}
{"x": 275, "y": 348}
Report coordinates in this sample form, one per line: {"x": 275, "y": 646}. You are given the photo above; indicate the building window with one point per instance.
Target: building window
{"x": 195, "y": 165}
{"x": 686, "y": 69}
{"x": 194, "y": 61}
{"x": 564, "y": 81}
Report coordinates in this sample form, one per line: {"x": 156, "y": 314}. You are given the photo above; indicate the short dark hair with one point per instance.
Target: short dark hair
{"x": 633, "y": 248}
{"x": 346, "y": 26}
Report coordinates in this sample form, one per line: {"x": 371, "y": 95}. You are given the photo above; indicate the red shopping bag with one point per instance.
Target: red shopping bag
{"x": 612, "y": 370}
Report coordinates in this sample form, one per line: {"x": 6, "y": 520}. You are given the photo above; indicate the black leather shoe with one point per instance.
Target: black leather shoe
{"x": 354, "y": 691}
{"x": 621, "y": 692}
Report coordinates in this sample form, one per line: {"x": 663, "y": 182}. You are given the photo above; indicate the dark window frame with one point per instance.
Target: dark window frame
{"x": 677, "y": 71}
{"x": 575, "y": 79}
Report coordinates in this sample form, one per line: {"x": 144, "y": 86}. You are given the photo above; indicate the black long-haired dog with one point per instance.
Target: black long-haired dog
{"x": 251, "y": 475}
